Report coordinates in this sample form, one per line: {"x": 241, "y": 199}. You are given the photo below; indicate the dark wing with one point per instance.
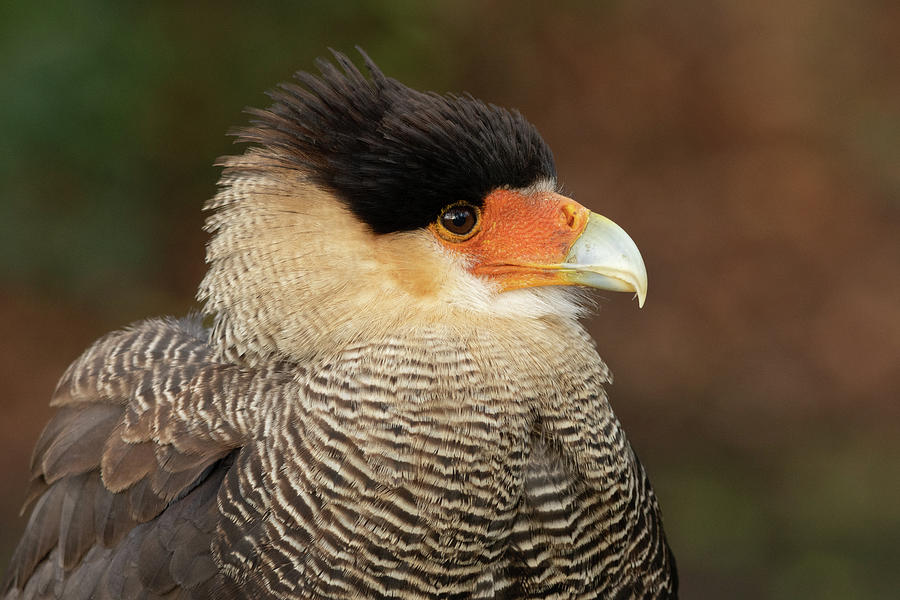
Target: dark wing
{"x": 126, "y": 474}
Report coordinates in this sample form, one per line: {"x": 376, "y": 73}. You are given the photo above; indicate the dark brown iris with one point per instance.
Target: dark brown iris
{"x": 459, "y": 219}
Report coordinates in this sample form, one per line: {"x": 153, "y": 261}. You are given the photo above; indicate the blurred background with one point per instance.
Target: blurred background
{"x": 751, "y": 149}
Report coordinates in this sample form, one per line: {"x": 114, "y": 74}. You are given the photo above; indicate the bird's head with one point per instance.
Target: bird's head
{"x": 364, "y": 207}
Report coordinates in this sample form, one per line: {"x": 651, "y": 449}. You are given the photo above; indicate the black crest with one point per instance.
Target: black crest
{"x": 394, "y": 155}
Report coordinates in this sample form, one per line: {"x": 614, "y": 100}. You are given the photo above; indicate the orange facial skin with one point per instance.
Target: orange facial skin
{"x": 521, "y": 239}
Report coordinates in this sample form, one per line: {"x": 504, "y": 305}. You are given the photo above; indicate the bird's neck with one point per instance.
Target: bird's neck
{"x": 328, "y": 334}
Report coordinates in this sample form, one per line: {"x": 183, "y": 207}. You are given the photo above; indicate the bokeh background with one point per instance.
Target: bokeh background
{"x": 752, "y": 149}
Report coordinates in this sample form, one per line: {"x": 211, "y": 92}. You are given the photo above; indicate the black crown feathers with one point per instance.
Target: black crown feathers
{"x": 394, "y": 155}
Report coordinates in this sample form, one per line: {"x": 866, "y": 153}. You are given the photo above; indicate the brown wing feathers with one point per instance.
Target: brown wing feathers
{"x": 116, "y": 454}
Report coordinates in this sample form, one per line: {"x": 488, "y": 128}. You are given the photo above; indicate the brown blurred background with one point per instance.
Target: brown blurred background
{"x": 752, "y": 149}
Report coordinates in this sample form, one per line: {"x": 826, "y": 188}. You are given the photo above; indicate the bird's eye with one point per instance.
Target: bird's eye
{"x": 459, "y": 220}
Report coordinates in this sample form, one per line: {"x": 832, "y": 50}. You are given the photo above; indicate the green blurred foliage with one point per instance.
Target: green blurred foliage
{"x": 113, "y": 112}
{"x": 822, "y": 522}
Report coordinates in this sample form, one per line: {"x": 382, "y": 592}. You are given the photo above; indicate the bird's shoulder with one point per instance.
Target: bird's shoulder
{"x": 147, "y": 423}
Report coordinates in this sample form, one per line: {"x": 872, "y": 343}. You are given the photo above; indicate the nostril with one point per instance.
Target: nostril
{"x": 570, "y": 214}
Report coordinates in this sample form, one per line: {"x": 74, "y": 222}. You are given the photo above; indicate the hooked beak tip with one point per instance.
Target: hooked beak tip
{"x": 605, "y": 257}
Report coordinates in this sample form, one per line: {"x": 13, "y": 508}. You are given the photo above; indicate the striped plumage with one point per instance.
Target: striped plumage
{"x": 361, "y": 429}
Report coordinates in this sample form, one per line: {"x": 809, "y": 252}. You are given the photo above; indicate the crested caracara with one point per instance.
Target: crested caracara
{"x": 394, "y": 396}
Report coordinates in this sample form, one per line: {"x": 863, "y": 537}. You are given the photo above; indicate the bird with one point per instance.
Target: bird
{"x": 387, "y": 393}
